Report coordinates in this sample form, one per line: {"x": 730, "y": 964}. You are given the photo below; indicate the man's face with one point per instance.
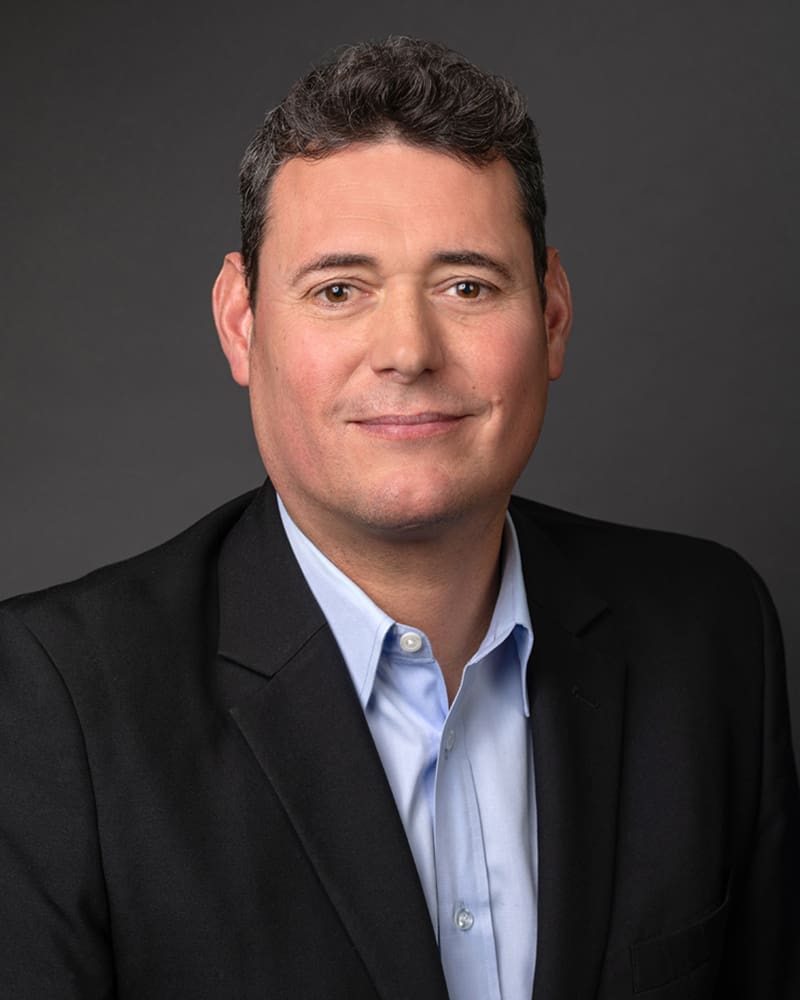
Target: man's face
{"x": 398, "y": 356}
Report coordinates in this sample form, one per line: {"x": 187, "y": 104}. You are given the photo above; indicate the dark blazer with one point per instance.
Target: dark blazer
{"x": 193, "y": 806}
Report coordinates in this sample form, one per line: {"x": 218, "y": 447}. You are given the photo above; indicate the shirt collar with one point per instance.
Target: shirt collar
{"x": 511, "y": 612}
{"x": 360, "y": 626}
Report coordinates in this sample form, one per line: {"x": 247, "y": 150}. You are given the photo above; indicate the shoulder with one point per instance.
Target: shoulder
{"x": 608, "y": 548}
{"x": 648, "y": 574}
{"x": 156, "y": 586}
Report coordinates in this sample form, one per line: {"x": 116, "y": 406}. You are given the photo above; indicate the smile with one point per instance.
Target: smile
{"x": 410, "y": 426}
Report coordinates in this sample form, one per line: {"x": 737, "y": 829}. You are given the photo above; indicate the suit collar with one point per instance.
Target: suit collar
{"x": 550, "y": 581}
{"x": 256, "y": 565}
{"x": 266, "y": 610}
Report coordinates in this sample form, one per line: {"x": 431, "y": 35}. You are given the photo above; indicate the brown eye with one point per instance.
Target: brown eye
{"x": 468, "y": 289}
{"x": 336, "y": 293}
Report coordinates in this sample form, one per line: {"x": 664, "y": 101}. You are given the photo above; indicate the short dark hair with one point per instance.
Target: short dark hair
{"x": 418, "y": 91}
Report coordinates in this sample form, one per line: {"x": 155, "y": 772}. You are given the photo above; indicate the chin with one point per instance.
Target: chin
{"x": 395, "y": 511}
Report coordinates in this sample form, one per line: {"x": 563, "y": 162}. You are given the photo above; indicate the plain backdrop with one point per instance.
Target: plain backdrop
{"x": 670, "y": 137}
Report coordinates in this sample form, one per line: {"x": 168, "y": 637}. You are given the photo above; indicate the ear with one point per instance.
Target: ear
{"x": 557, "y": 312}
{"x": 233, "y": 316}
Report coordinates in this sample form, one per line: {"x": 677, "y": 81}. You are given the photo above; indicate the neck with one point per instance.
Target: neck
{"x": 444, "y": 583}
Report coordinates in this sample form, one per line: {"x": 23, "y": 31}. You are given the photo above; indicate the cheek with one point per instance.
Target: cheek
{"x": 280, "y": 369}
{"x": 296, "y": 383}
{"x": 517, "y": 378}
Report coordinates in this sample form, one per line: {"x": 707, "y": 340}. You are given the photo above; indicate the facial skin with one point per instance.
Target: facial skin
{"x": 398, "y": 356}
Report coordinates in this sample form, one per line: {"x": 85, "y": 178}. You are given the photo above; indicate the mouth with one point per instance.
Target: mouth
{"x": 410, "y": 426}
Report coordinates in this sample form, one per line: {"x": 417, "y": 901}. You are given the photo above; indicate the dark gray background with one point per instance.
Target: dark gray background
{"x": 670, "y": 135}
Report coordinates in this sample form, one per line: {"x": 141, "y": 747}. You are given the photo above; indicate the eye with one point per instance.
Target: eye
{"x": 468, "y": 289}
{"x": 336, "y": 293}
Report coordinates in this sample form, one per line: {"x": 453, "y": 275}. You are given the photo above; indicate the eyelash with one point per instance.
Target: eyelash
{"x": 484, "y": 289}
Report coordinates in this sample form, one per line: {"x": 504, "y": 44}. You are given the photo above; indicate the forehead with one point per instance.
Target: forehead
{"x": 390, "y": 191}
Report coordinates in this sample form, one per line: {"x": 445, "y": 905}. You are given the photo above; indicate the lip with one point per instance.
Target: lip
{"x": 410, "y": 426}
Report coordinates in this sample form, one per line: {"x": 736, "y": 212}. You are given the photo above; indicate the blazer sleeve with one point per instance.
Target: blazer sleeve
{"x": 53, "y": 911}
{"x": 763, "y": 941}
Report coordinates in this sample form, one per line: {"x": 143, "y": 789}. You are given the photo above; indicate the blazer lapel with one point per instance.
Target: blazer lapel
{"x": 305, "y": 726}
{"x": 577, "y": 693}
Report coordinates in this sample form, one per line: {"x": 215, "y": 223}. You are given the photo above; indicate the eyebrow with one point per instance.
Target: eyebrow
{"x": 333, "y": 260}
{"x": 464, "y": 258}
{"x": 472, "y": 258}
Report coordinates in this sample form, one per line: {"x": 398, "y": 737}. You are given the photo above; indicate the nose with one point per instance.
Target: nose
{"x": 406, "y": 340}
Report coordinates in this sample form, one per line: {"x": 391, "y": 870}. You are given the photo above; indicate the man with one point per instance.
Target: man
{"x": 374, "y": 731}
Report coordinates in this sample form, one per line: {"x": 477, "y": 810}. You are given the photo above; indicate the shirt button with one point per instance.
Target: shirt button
{"x": 464, "y": 919}
{"x": 410, "y": 642}
{"x": 449, "y": 740}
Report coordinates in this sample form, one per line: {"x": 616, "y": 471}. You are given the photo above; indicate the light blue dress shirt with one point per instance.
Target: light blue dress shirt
{"x": 462, "y": 775}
